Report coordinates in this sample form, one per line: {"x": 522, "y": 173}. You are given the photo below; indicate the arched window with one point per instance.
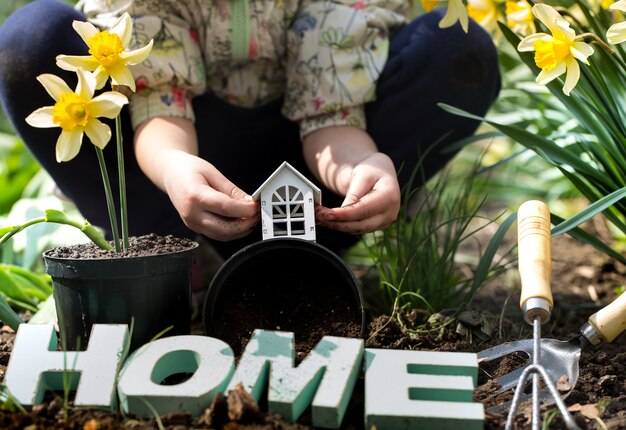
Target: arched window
{"x": 288, "y": 211}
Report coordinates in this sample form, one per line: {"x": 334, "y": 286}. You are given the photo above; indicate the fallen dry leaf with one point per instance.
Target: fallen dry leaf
{"x": 563, "y": 384}
{"x": 590, "y": 411}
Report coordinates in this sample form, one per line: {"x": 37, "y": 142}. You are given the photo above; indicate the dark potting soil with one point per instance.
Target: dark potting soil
{"x": 139, "y": 246}
{"x": 308, "y": 308}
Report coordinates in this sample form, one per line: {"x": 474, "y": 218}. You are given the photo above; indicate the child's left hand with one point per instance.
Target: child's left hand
{"x": 348, "y": 162}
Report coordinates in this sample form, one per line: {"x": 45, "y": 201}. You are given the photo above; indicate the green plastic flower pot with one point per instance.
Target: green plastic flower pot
{"x": 284, "y": 284}
{"x": 153, "y": 292}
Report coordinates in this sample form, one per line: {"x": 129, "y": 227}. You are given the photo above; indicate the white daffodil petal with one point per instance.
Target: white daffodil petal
{"x": 123, "y": 28}
{"x": 528, "y": 43}
{"x": 68, "y": 145}
{"x": 122, "y": 76}
{"x": 41, "y": 118}
{"x": 107, "y": 104}
{"x": 572, "y": 77}
{"x": 54, "y": 85}
{"x": 547, "y": 15}
{"x": 616, "y": 33}
{"x": 545, "y": 77}
{"x": 619, "y": 5}
{"x": 453, "y": 13}
{"x": 98, "y": 132}
{"x": 464, "y": 20}
{"x": 74, "y": 62}
{"x": 563, "y": 31}
{"x": 581, "y": 51}
{"x": 138, "y": 55}
{"x": 102, "y": 76}
{"x": 85, "y": 30}
{"x": 86, "y": 86}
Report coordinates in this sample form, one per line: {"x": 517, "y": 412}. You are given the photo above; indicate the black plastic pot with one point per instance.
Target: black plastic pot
{"x": 154, "y": 292}
{"x": 283, "y": 284}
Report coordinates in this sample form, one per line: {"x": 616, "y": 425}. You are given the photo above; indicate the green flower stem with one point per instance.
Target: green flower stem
{"x": 59, "y": 218}
{"x": 122, "y": 180}
{"x": 109, "y": 196}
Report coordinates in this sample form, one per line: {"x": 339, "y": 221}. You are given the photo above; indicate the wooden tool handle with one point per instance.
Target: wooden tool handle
{"x": 534, "y": 253}
{"x": 610, "y": 321}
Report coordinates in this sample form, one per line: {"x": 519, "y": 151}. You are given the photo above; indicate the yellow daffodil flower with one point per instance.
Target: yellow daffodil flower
{"x": 617, "y": 32}
{"x": 519, "y": 17}
{"x": 456, "y": 11}
{"x": 484, "y": 12}
{"x": 557, "y": 53}
{"x": 76, "y": 112}
{"x": 109, "y": 54}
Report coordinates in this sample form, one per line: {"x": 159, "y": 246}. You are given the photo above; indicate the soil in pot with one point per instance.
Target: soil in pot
{"x": 148, "y": 286}
{"x": 286, "y": 285}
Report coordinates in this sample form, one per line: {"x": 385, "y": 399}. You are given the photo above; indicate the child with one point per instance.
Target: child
{"x": 346, "y": 91}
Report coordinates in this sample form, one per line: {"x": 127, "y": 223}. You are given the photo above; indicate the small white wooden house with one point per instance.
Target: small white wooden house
{"x": 288, "y": 201}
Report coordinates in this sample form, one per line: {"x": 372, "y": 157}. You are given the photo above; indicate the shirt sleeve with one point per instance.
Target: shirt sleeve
{"x": 174, "y": 72}
{"x": 336, "y": 52}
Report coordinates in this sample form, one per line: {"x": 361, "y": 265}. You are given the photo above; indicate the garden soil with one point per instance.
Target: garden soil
{"x": 583, "y": 280}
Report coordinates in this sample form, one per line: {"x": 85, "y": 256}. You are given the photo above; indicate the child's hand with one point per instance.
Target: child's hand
{"x": 208, "y": 202}
{"x": 348, "y": 162}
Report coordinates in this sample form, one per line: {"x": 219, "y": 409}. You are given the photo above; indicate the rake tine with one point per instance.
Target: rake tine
{"x": 500, "y": 351}
{"x": 551, "y": 389}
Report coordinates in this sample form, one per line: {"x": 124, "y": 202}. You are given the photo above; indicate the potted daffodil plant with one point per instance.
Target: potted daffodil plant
{"x": 140, "y": 281}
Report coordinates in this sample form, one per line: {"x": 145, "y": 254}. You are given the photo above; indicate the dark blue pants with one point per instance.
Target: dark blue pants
{"x": 426, "y": 65}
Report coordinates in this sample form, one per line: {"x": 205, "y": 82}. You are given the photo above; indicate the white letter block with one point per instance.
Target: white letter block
{"x": 141, "y": 393}
{"x": 35, "y": 365}
{"x": 326, "y": 376}
{"x": 421, "y": 390}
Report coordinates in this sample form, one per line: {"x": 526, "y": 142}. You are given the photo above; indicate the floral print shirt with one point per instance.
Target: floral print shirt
{"x": 323, "y": 57}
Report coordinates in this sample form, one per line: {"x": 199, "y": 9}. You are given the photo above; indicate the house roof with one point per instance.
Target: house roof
{"x": 317, "y": 193}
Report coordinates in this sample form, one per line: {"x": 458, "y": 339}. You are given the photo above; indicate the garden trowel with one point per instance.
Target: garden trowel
{"x": 559, "y": 358}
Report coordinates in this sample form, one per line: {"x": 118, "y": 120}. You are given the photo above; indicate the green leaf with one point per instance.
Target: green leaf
{"x": 8, "y": 315}
{"x": 589, "y": 212}
{"x": 11, "y": 289}
{"x": 484, "y": 267}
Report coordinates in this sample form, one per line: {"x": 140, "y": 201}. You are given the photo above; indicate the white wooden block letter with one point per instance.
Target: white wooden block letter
{"x": 421, "y": 390}
{"x": 325, "y": 379}
{"x": 210, "y": 361}
{"x": 35, "y": 365}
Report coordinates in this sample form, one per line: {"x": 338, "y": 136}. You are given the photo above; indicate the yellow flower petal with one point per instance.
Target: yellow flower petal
{"x": 123, "y": 28}
{"x": 41, "y": 118}
{"x": 85, "y": 30}
{"x": 68, "y": 145}
{"x": 54, "y": 85}
{"x": 138, "y": 55}
{"x": 572, "y": 77}
{"x": 107, "y": 104}
{"x": 86, "y": 86}
{"x": 74, "y": 62}
{"x": 120, "y": 75}
{"x": 98, "y": 132}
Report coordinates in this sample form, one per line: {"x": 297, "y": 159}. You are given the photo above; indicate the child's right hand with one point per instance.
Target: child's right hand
{"x": 208, "y": 202}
